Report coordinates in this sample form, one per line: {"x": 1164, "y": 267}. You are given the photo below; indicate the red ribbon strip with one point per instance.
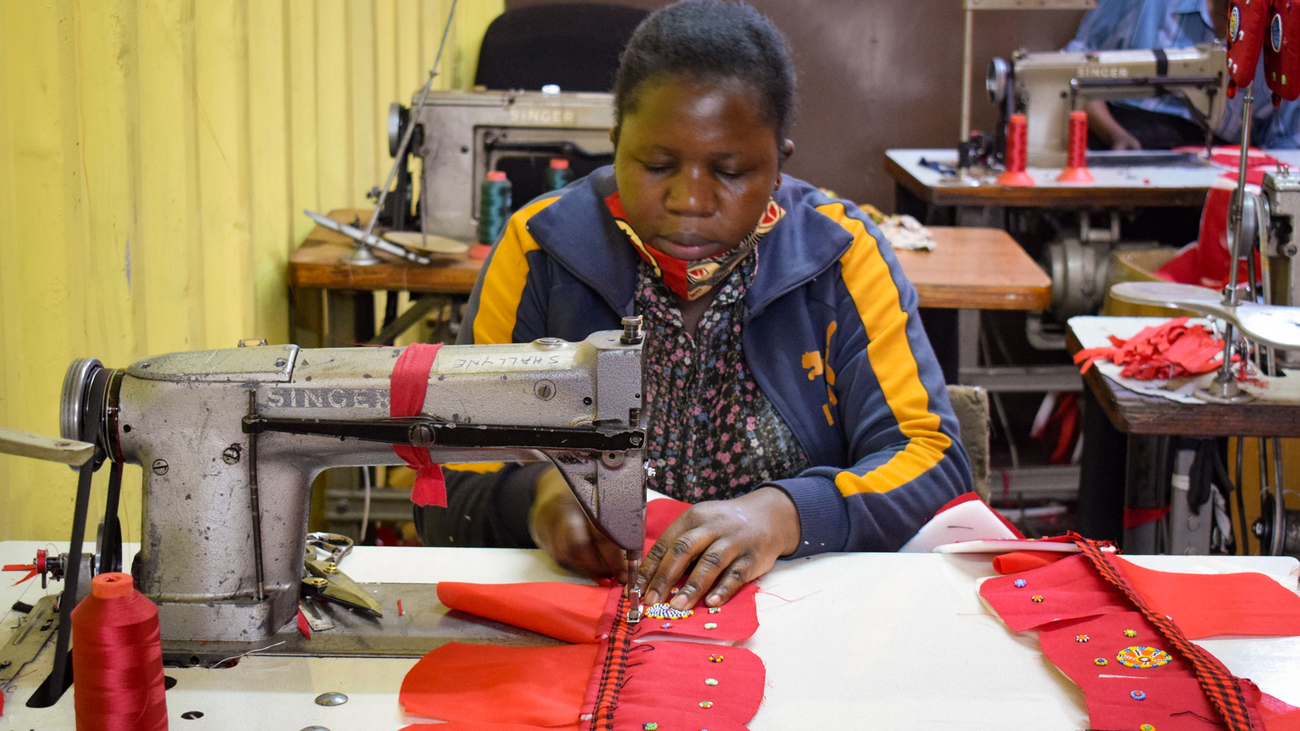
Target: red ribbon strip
{"x": 29, "y": 568}
{"x": 407, "y": 388}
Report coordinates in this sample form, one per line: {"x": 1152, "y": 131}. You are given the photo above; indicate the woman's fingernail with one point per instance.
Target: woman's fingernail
{"x": 651, "y": 597}
{"x": 714, "y": 600}
{"x": 679, "y": 601}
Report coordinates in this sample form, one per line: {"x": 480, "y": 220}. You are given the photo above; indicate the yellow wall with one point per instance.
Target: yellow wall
{"x": 154, "y": 159}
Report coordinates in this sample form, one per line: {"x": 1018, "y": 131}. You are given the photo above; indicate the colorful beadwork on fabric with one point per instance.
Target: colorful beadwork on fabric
{"x": 1143, "y": 657}
{"x": 1021, "y": 583}
{"x": 710, "y": 625}
{"x": 710, "y": 681}
{"x": 715, "y": 658}
{"x": 1101, "y": 661}
{"x": 1037, "y": 598}
{"x": 666, "y": 611}
{"x": 706, "y": 704}
{"x": 1130, "y": 633}
{"x": 1138, "y": 695}
{"x": 1220, "y": 686}
{"x": 1081, "y": 638}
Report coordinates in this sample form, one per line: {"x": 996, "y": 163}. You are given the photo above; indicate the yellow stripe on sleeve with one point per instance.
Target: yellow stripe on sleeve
{"x": 889, "y": 353}
{"x": 479, "y": 467}
{"x": 507, "y": 274}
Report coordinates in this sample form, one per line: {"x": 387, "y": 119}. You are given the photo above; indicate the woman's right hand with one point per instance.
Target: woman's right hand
{"x": 559, "y": 527}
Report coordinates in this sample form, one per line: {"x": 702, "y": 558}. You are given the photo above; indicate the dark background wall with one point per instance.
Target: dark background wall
{"x": 879, "y": 74}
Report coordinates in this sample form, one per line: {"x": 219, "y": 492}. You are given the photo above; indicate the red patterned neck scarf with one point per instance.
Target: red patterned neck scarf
{"x": 690, "y": 280}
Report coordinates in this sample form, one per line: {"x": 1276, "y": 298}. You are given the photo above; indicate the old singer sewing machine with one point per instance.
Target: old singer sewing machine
{"x": 230, "y": 441}
{"x": 1046, "y": 87}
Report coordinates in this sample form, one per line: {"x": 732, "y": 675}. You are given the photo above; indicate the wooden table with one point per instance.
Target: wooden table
{"x": 970, "y": 269}
{"x": 318, "y": 264}
{"x": 976, "y": 269}
{"x": 1147, "y": 423}
{"x": 1135, "y": 413}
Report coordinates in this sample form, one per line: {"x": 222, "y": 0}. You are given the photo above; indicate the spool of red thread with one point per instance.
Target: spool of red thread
{"x": 1076, "y": 165}
{"x": 117, "y": 665}
{"x": 1017, "y": 144}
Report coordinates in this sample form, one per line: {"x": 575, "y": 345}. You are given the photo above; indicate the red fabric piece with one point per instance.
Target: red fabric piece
{"x": 1282, "y": 51}
{"x": 1221, "y": 687}
{"x": 1092, "y": 607}
{"x": 304, "y": 627}
{"x": 1070, "y": 590}
{"x": 1279, "y": 715}
{"x": 408, "y": 386}
{"x": 581, "y": 613}
{"x": 1208, "y": 605}
{"x": 540, "y": 686}
{"x": 551, "y": 686}
{"x": 569, "y": 612}
{"x": 659, "y": 514}
{"x": 1229, "y": 156}
{"x": 29, "y": 568}
{"x": 1017, "y": 561}
{"x": 666, "y": 686}
{"x": 1170, "y": 350}
{"x": 477, "y": 726}
{"x": 1247, "y": 27}
{"x": 1135, "y": 517}
{"x": 1206, "y": 262}
{"x": 477, "y": 687}
{"x": 966, "y": 497}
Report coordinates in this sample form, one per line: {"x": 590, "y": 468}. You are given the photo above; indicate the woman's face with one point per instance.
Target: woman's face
{"x": 696, "y": 165}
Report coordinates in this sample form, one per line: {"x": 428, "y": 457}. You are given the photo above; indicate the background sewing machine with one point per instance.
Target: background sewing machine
{"x": 230, "y": 441}
{"x": 1046, "y": 87}
{"x": 461, "y": 136}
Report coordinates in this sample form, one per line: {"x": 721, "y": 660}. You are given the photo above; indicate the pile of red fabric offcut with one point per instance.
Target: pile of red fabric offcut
{"x": 1171, "y": 350}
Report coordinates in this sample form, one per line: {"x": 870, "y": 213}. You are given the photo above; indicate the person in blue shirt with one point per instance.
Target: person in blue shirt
{"x": 1163, "y": 122}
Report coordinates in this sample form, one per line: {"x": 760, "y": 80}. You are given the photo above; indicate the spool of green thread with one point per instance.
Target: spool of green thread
{"x": 493, "y": 207}
{"x": 558, "y": 174}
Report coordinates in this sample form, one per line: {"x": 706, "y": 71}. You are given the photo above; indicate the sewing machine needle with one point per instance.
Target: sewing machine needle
{"x": 630, "y": 590}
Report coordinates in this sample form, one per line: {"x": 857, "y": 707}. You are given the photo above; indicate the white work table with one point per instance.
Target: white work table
{"x": 849, "y": 640}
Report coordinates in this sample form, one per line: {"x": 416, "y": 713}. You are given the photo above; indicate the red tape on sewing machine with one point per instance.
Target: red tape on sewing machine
{"x": 407, "y": 389}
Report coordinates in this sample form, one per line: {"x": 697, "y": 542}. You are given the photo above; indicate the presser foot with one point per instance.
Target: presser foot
{"x": 1223, "y": 391}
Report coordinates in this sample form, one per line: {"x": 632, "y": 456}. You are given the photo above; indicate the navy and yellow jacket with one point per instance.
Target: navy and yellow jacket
{"x": 831, "y": 334}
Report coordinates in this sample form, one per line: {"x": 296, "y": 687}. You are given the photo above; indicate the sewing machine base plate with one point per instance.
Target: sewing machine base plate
{"x": 423, "y": 625}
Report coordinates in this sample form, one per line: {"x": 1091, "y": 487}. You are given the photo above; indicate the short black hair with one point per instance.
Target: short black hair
{"x": 711, "y": 40}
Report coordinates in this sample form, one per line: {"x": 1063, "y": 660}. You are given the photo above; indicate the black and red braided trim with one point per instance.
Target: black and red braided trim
{"x": 613, "y": 672}
{"x": 1221, "y": 687}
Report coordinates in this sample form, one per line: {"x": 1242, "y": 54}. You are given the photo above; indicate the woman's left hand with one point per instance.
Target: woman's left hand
{"x": 731, "y": 543}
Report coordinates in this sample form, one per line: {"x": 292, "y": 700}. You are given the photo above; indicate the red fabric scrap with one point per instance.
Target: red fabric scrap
{"x": 568, "y": 612}
{"x": 408, "y": 386}
{"x": 1017, "y": 561}
{"x": 1135, "y": 517}
{"x": 1171, "y": 350}
{"x": 304, "y": 627}
{"x": 29, "y": 568}
{"x": 539, "y": 686}
{"x": 1209, "y": 605}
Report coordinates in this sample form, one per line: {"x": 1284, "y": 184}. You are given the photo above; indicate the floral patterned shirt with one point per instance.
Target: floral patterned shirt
{"x": 713, "y": 432}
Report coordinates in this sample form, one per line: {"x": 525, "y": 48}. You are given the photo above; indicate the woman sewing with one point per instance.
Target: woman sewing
{"x": 791, "y": 392}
